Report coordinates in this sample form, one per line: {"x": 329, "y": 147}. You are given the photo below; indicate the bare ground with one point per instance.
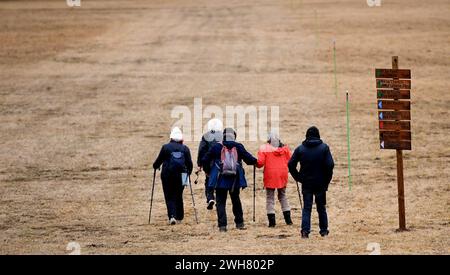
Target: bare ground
{"x": 85, "y": 105}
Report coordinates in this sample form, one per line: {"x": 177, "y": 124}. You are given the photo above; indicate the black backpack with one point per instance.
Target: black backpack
{"x": 177, "y": 162}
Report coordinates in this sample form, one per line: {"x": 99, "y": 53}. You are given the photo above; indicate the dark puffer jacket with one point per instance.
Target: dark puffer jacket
{"x": 316, "y": 165}
{"x": 164, "y": 158}
{"x": 207, "y": 142}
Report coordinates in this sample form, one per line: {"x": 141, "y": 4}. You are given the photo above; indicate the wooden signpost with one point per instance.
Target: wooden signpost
{"x": 393, "y": 84}
{"x": 394, "y": 105}
{"x": 393, "y": 94}
{"x": 395, "y": 135}
{"x": 395, "y": 126}
{"x": 394, "y": 115}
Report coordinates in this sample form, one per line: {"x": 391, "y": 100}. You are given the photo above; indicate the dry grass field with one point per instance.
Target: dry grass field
{"x": 86, "y": 95}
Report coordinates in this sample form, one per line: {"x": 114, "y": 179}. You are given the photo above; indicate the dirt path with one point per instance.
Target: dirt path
{"x": 81, "y": 125}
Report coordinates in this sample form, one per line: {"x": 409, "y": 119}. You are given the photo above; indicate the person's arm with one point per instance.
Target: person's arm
{"x": 288, "y": 153}
{"x": 160, "y": 159}
{"x": 292, "y": 165}
{"x": 207, "y": 159}
{"x": 329, "y": 165}
{"x": 246, "y": 156}
{"x": 261, "y": 158}
{"x": 189, "y": 164}
{"x": 202, "y": 150}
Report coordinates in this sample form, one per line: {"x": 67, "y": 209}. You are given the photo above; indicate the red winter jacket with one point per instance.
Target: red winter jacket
{"x": 275, "y": 162}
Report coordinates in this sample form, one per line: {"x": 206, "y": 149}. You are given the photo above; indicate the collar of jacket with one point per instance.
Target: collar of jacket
{"x": 312, "y": 142}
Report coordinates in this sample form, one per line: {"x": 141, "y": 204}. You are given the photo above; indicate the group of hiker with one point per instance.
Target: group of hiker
{"x": 221, "y": 158}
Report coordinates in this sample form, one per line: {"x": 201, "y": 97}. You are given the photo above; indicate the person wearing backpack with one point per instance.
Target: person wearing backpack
{"x": 213, "y": 136}
{"x": 316, "y": 172}
{"x": 227, "y": 176}
{"x": 274, "y": 157}
{"x": 175, "y": 158}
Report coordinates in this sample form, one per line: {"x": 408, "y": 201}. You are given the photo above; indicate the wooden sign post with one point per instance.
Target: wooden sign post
{"x": 393, "y": 94}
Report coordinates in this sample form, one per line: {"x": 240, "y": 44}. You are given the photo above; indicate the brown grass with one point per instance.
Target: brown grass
{"x": 85, "y": 107}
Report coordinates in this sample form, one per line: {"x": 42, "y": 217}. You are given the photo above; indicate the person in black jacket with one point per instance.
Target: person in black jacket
{"x": 213, "y": 136}
{"x": 225, "y": 184}
{"x": 175, "y": 158}
{"x": 316, "y": 172}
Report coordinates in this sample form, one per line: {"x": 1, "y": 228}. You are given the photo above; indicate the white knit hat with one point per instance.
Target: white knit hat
{"x": 215, "y": 125}
{"x": 176, "y": 134}
{"x": 273, "y": 135}
{"x": 274, "y": 138}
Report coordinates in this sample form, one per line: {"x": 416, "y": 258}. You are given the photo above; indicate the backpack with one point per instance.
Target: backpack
{"x": 176, "y": 162}
{"x": 229, "y": 161}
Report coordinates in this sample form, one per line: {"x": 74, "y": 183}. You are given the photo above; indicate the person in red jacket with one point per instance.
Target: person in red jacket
{"x": 274, "y": 157}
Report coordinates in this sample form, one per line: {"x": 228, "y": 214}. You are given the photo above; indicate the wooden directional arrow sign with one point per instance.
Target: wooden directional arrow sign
{"x": 399, "y": 145}
{"x": 393, "y": 94}
{"x": 394, "y": 105}
{"x": 395, "y": 125}
{"x": 394, "y": 115}
{"x": 392, "y": 73}
{"x": 393, "y": 84}
{"x": 393, "y": 87}
{"x": 395, "y": 135}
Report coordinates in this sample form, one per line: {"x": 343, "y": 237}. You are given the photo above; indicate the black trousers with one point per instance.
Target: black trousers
{"x": 209, "y": 191}
{"x": 321, "y": 201}
{"x": 221, "y": 196}
{"x": 173, "y": 195}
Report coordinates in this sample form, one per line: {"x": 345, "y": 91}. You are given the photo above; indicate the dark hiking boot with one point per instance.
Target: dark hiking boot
{"x": 241, "y": 226}
{"x": 272, "y": 221}
{"x": 324, "y": 233}
{"x": 287, "y": 217}
{"x": 211, "y": 204}
{"x": 304, "y": 235}
{"x": 222, "y": 229}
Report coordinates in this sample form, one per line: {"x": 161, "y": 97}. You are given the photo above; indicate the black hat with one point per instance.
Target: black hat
{"x": 312, "y": 132}
{"x": 229, "y": 134}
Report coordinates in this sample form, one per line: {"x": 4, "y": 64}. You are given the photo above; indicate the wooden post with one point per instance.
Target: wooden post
{"x": 400, "y": 184}
{"x": 394, "y": 119}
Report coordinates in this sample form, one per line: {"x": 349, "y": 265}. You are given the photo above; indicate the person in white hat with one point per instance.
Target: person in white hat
{"x": 213, "y": 136}
{"x": 175, "y": 158}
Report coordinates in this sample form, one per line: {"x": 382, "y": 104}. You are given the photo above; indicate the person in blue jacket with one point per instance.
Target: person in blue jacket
{"x": 316, "y": 172}
{"x": 175, "y": 158}
{"x": 226, "y": 181}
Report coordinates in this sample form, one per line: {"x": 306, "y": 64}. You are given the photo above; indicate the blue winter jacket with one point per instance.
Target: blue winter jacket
{"x": 218, "y": 181}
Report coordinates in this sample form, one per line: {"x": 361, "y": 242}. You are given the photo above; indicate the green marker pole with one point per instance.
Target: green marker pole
{"x": 334, "y": 59}
{"x": 348, "y": 143}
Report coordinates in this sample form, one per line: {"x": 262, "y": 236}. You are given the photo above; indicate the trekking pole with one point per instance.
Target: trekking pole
{"x": 193, "y": 202}
{"x": 254, "y": 193}
{"x": 299, "y": 195}
{"x": 151, "y": 196}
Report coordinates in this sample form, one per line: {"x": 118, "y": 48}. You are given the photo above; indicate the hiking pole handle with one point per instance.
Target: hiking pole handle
{"x": 199, "y": 169}
{"x": 197, "y": 172}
